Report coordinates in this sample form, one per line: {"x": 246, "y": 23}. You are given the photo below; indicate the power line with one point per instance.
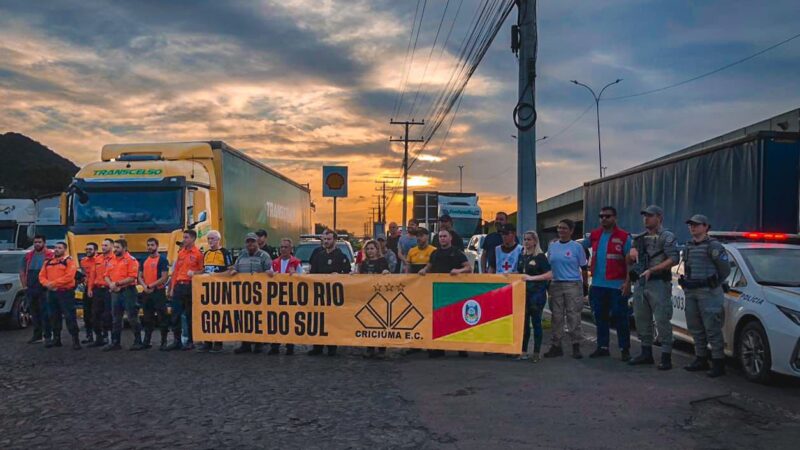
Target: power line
{"x": 425, "y": 71}
{"x": 413, "y": 52}
{"x": 720, "y": 69}
{"x": 405, "y": 65}
{"x": 566, "y": 128}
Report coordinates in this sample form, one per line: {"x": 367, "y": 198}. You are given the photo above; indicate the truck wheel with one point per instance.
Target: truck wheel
{"x": 20, "y": 316}
{"x": 754, "y": 353}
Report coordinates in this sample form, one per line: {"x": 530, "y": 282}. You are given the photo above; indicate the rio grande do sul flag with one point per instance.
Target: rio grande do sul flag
{"x": 473, "y": 312}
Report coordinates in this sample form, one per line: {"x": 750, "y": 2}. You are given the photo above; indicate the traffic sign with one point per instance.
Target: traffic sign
{"x": 334, "y": 181}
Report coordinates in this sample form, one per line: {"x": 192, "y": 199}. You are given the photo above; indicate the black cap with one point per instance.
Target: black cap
{"x": 508, "y": 228}
{"x": 261, "y": 233}
{"x": 445, "y": 218}
{"x": 422, "y": 231}
{"x": 698, "y": 219}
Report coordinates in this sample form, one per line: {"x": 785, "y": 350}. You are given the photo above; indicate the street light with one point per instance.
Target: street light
{"x": 597, "y": 107}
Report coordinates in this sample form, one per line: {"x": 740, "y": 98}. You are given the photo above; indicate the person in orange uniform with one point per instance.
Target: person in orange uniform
{"x": 97, "y": 290}
{"x": 121, "y": 278}
{"x": 58, "y": 277}
{"x": 153, "y": 280}
{"x": 189, "y": 263}
{"x": 87, "y": 268}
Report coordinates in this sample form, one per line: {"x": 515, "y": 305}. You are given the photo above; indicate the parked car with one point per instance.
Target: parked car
{"x": 13, "y": 306}
{"x": 762, "y": 306}
{"x": 305, "y": 248}
{"x": 474, "y": 250}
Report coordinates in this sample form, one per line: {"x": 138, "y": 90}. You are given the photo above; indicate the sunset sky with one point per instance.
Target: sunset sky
{"x": 299, "y": 84}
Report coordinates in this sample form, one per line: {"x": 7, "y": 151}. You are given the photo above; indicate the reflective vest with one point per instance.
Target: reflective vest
{"x": 616, "y": 267}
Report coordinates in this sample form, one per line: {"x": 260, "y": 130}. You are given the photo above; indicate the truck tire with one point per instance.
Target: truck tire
{"x": 754, "y": 353}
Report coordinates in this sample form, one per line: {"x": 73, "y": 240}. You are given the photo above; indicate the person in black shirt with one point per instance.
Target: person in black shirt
{"x": 373, "y": 263}
{"x": 263, "y": 245}
{"x": 328, "y": 260}
{"x": 446, "y": 223}
{"x": 534, "y": 264}
{"x": 446, "y": 259}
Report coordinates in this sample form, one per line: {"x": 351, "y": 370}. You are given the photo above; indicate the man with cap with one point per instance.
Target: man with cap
{"x": 264, "y": 245}
{"x": 446, "y": 223}
{"x": 653, "y": 255}
{"x": 506, "y": 255}
{"x": 706, "y": 266}
{"x": 251, "y": 260}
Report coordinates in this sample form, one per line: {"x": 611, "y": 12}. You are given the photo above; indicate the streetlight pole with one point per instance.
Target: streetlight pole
{"x": 597, "y": 108}
{"x": 461, "y": 178}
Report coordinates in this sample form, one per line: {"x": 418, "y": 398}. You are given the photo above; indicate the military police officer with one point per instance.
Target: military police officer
{"x": 653, "y": 255}
{"x": 706, "y": 266}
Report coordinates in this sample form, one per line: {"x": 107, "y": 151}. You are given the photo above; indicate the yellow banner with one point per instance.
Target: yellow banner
{"x": 463, "y": 312}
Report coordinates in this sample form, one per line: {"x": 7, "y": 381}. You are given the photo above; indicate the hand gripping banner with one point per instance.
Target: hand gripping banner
{"x": 465, "y": 312}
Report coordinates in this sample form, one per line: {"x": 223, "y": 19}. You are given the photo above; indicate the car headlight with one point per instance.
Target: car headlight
{"x": 793, "y": 315}
{"x": 5, "y": 287}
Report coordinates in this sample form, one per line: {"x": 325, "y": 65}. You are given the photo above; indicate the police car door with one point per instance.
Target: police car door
{"x": 679, "y": 326}
{"x": 737, "y": 281}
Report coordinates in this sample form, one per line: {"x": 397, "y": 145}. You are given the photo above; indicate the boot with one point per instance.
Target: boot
{"x": 245, "y": 347}
{"x": 699, "y": 363}
{"x": 258, "y": 348}
{"x": 89, "y": 337}
{"x": 176, "y": 344}
{"x": 717, "y": 368}
{"x": 600, "y": 352}
{"x": 576, "y": 351}
{"x": 137, "y": 343}
{"x": 666, "y": 361}
{"x": 57, "y": 342}
{"x": 48, "y": 343}
{"x": 204, "y": 347}
{"x": 163, "y": 345}
{"x": 148, "y": 335}
{"x": 274, "y": 349}
{"x": 315, "y": 351}
{"x": 76, "y": 344}
{"x": 35, "y": 339}
{"x": 625, "y": 355}
{"x": 646, "y": 357}
{"x": 112, "y": 347}
{"x": 554, "y": 352}
{"x": 99, "y": 342}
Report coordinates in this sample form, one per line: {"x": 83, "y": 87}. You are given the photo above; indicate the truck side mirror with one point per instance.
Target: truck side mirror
{"x": 202, "y": 217}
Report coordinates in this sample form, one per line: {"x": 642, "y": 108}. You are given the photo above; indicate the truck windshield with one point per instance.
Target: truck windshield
{"x": 465, "y": 227}
{"x": 7, "y": 235}
{"x": 130, "y": 210}
{"x": 774, "y": 266}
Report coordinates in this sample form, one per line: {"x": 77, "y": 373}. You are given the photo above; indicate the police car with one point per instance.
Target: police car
{"x": 762, "y": 306}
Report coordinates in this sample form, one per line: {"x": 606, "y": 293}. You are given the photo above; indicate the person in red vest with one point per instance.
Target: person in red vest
{"x": 36, "y": 295}
{"x": 610, "y": 245}
{"x": 286, "y": 262}
{"x": 58, "y": 277}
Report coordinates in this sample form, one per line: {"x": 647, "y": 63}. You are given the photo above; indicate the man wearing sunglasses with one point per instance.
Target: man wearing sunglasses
{"x": 655, "y": 251}
{"x": 610, "y": 285}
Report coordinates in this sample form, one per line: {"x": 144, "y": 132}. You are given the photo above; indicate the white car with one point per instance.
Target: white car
{"x": 13, "y": 305}
{"x": 762, "y": 307}
{"x": 474, "y": 250}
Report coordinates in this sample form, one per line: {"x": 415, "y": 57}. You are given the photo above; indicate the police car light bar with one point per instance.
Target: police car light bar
{"x": 754, "y": 236}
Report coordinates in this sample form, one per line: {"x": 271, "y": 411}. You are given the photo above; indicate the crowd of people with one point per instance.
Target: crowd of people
{"x": 609, "y": 265}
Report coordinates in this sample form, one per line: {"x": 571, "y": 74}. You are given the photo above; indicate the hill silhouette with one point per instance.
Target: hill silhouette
{"x": 30, "y": 169}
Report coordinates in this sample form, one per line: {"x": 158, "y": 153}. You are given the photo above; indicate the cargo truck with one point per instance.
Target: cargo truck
{"x": 138, "y": 191}
{"x": 15, "y": 217}
{"x": 462, "y": 207}
{"x": 744, "y": 184}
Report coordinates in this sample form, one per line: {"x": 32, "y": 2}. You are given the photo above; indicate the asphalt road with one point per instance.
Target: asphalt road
{"x": 59, "y": 398}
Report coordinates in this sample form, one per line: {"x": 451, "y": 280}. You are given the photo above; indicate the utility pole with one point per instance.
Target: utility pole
{"x": 526, "y": 136}
{"x": 405, "y": 141}
{"x": 382, "y": 197}
{"x": 461, "y": 178}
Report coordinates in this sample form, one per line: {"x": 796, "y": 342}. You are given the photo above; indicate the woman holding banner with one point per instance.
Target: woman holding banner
{"x": 534, "y": 264}
{"x": 373, "y": 263}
